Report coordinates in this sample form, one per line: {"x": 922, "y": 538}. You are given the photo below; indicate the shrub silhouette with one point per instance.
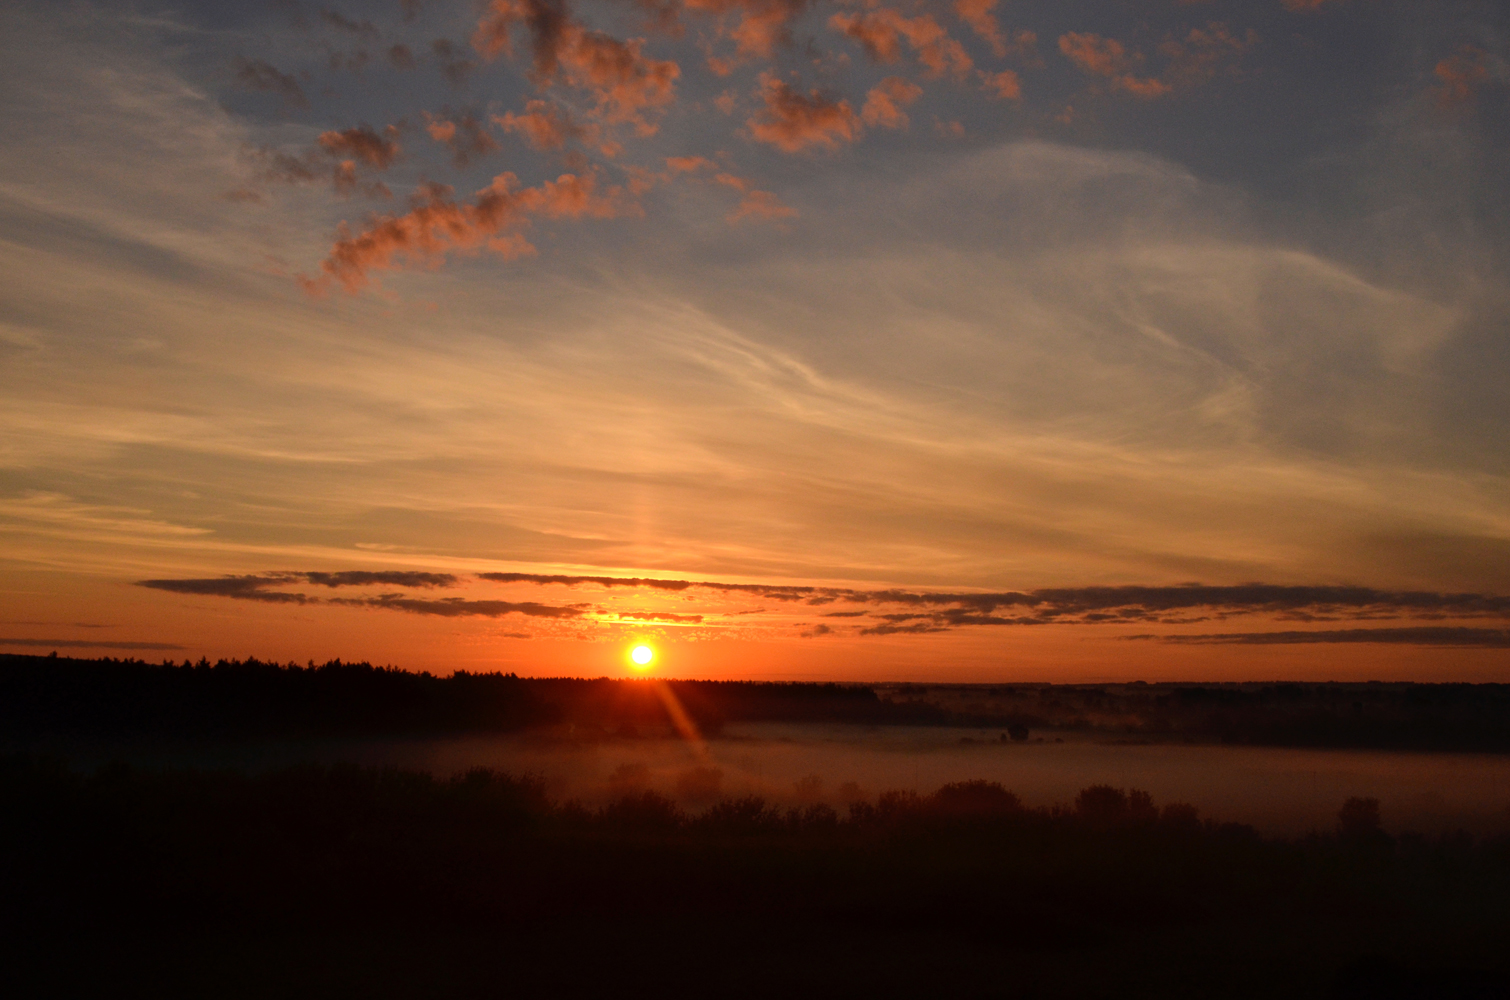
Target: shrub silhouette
{"x": 1102, "y": 803}
{"x": 645, "y": 811}
{"x": 743, "y": 815}
{"x": 809, "y": 788}
{"x": 1358, "y": 819}
{"x": 1181, "y": 816}
{"x": 974, "y": 798}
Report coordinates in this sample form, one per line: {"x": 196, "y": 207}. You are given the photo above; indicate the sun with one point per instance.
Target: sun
{"x": 642, "y": 655}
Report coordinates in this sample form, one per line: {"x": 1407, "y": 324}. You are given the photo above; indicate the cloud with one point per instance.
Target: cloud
{"x": 756, "y": 204}
{"x": 760, "y": 206}
{"x": 86, "y": 644}
{"x": 792, "y": 121}
{"x": 1088, "y": 605}
{"x": 624, "y": 82}
{"x": 918, "y": 628}
{"x": 1004, "y": 85}
{"x": 339, "y": 21}
{"x": 1307, "y": 4}
{"x": 977, "y": 14}
{"x": 1202, "y": 53}
{"x": 601, "y": 581}
{"x": 885, "y": 101}
{"x": 362, "y": 143}
{"x": 244, "y": 588}
{"x": 689, "y": 164}
{"x": 401, "y": 57}
{"x": 457, "y": 607}
{"x": 255, "y": 587}
{"x": 763, "y": 24}
{"x": 255, "y": 74}
{"x": 392, "y": 578}
{"x": 438, "y": 225}
{"x": 654, "y": 616}
{"x": 1094, "y": 54}
{"x": 881, "y": 31}
{"x": 543, "y": 125}
{"x": 454, "y": 66}
{"x": 1425, "y": 635}
{"x": 1109, "y": 58}
{"x": 462, "y": 134}
{"x": 1460, "y": 75}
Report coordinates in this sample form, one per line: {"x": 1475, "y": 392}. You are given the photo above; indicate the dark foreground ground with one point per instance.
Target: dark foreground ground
{"x": 322, "y": 881}
{"x": 350, "y": 882}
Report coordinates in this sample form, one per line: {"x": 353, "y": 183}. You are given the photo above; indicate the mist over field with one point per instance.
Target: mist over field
{"x": 1277, "y": 790}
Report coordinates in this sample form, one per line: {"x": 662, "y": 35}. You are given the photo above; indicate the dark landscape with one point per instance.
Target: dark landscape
{"x": 332, "y": 879}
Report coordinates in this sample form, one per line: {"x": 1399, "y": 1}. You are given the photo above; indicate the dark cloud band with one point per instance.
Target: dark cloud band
{"x": 923, "y": 612}
{"x": 1426, "y": 635}
{"x": 86, "y": 644}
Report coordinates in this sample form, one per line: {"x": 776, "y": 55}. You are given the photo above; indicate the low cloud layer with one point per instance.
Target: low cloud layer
{"x": 1423, "y": 635}
{"x": 88, "y": 644}
{"x": 896, "y": 612}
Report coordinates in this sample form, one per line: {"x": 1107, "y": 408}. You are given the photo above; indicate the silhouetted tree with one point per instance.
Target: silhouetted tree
{"x": 1359, "y": 818}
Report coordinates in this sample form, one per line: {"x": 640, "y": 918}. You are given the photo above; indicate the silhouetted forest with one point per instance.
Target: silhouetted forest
{"x": 250, "y": 697}
{"x": 40, "y": 694}
{"x": 348, "y": 881}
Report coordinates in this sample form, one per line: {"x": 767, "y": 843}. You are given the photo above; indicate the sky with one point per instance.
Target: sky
{"x": 976, "y": 340}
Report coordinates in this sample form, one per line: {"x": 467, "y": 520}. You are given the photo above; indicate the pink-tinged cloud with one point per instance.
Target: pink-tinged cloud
{"x": 437, "y": 225}
{"x": 761, "y": 206}
{"x": 463, "y": 135}
{"x": 1146, "y": 87}
{"x": 543, "y": 125}
{"x": 885, "y": 101}
{"x": 363, "y": 143}
{"x": 617, "y": 73}
{"x": 689, "y": 164}
{"x": 757, "y": 205}
{"x": 977, "y": 14}
{"x": 792, "y": 121}
{"x": 1460, "y": 75}
{"x": 763, "y": 24}
{"x": 1094, "y": 54}
{"x": 1109, "y": 58}
{"x": 1204, "y": 52}
{"x": 881, "y": 32}
{"x": 1005, "y": 85}
{"x": 346, "y": 182}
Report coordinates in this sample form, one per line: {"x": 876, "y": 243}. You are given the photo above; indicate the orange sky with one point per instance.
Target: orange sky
{"x": 847, "y": 316}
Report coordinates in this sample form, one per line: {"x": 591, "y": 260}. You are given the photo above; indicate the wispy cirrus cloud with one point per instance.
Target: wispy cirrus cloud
{"x": 458, "y": 607}
{"x": 1422, "y": 635}
{"x": 89, "y": 644}
{"x": 262, "y": 587}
